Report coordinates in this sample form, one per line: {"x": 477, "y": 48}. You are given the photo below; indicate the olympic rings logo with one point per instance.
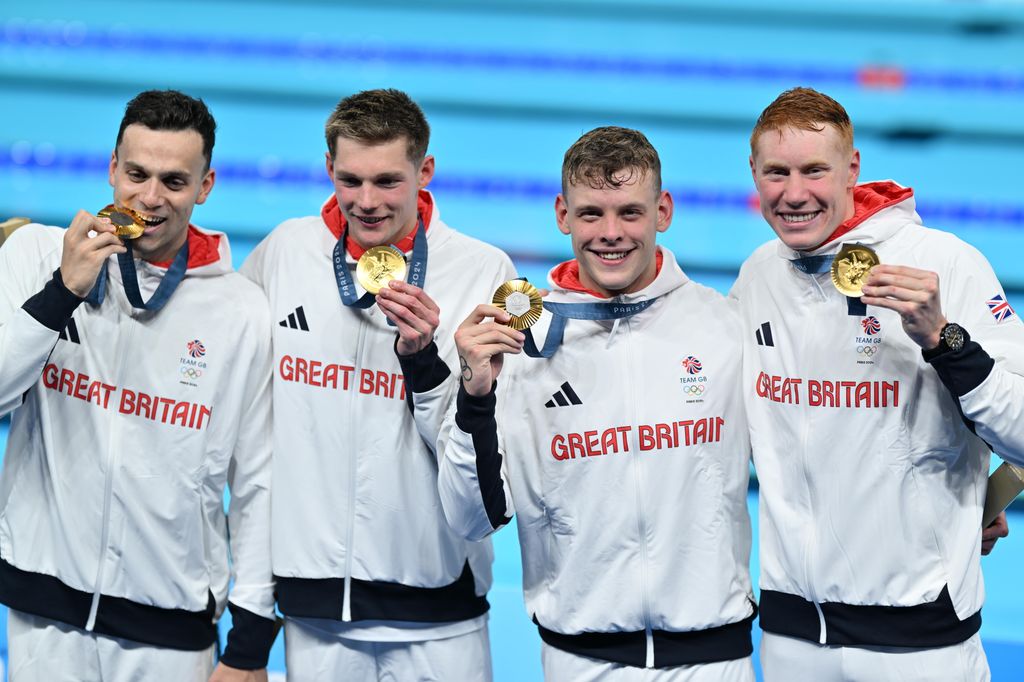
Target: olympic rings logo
{"x": 191, "y": 372}
{"x": 694, "y": 389}
{"x": 867, "y": 350}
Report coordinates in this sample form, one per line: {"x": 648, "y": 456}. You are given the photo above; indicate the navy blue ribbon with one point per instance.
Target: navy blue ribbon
{"x": 562, "y": 312}
{"x": 130, "y": 280}
{"x": 815, "y": 265}
{"x": 347, "y": 286}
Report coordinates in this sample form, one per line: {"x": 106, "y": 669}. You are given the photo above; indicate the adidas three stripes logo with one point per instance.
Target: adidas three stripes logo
{"x": 564, "y": 398}
{"x": 764, "y": 335}
{"x": 296, "y": 320}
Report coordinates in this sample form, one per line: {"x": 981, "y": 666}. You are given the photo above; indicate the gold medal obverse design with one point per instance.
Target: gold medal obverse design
{"x": 521, "y": 300}
{"x": 128, "y": 223}
{"x": 851, "y": 267}
{"x": 378, "y": 266}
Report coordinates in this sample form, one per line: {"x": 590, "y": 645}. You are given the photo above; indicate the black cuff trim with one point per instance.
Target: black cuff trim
{"x": 961, "y": 371}
{"x": 53, "y": 306}
{"x": 474, "y": 412}
{"x": 475, "y": 416}
{"x": 932, "y": 624}
{"x": 723, "y": 643}
{"x": 424, "y": 370}
{"x": 249, "y": 640}
{"x": 46, "y": 596}
{"x": 370, "y": 600}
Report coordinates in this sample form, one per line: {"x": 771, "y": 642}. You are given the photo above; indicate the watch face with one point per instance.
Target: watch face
{"x": 953, "y": 335}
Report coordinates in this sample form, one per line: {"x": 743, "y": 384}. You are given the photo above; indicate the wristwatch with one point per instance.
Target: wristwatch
{"x": 952, "y": 338}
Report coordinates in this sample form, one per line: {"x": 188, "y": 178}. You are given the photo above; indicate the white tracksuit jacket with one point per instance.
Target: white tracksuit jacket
{"x": 873, "y": 461}
{"x": 127, "y": 426}
{"x": 358, "y": 532}
{"x": 624, "y": 458}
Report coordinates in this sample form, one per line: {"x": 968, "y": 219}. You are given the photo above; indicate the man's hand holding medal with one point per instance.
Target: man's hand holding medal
{"x": 90, "y": 240}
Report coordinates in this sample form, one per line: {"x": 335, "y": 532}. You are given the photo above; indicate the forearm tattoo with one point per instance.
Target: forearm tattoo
{"x": 467, "y": 373}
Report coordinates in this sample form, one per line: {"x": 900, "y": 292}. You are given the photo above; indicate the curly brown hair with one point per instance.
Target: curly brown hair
{"x": 610, "y": 156}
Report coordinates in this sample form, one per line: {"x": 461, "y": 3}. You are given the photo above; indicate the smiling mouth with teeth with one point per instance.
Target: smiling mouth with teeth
{"x": 615, "y": 255}
{"x": 799, "y": 217}
{"x": 371, "y": 220}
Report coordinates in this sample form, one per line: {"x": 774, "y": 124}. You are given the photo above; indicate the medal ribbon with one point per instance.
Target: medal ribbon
{"x": 815, "y": 265}
{"x": 562, "y": 312}
{"x": 130, "y": 281}
{"x": 347, "y": 286}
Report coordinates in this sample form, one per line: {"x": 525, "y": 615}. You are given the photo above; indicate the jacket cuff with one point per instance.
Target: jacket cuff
{"x": 961, "y": 371}
{"x": 473, "y": 412}
{"x": 424, "y": 370}
{"x": 249, "y": 640}
{"x": 53, "y": 306}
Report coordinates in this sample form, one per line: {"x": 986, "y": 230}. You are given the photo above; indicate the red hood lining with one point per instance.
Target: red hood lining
{"x": 567, "y": 275}
{"x": 335, "y": 221}
{"x": 869, "y": 199}
{"x": 203, "y": 249}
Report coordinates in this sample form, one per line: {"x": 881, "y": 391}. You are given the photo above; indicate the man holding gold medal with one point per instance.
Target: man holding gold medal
{"x": 372, "y": 581}
{"x": 137, "y": 366}
{"x": 620, "y": 447}
{"x": 881, "y": 364}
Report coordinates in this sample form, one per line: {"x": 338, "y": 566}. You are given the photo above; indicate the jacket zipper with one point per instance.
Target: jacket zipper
{"x": 640, "y": 513}
{"x": 809, "y": 550}
{"x": 113, "y": 460}
{"x": 346, "y": 604}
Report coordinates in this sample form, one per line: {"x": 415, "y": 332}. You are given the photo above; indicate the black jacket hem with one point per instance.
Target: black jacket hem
{"x": 671, "y": 649}
{"x": 46, "y": 596}
{"x": 374, "y": 600}
{"x": 932, "y": 624}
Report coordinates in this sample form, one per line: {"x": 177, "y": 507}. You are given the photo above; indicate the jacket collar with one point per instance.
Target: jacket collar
{"x": 567, "y": 288}
{"x": 335, "y": 221}
{"x": 891, "y": 206}
{"x": 334, "y": 226}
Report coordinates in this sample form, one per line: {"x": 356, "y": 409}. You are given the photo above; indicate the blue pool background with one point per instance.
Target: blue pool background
{"x": 935, "y": 88}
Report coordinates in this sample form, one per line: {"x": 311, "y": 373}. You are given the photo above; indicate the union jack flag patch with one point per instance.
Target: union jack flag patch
{"x": 692, "y": 365}
{"x": 871, "y": 325}
{"x": 1000, "y": 308}
{"x": 196, "y": 348}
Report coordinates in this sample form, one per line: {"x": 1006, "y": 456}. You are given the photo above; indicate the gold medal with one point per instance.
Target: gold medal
{"x": 521, "y": 300}
{"x": 851, "y": 267}
{"x": 128, "y": 224}
{"x": 378, "y": 266}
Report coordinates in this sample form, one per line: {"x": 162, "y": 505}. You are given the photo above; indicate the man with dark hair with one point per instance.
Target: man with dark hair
{"x": 874, "y": 395}
{"x": 373, "y": 583}
{"x": 170, "y": 110}
{"x": 138, "y": 372}
{"x": 629, "y": 483}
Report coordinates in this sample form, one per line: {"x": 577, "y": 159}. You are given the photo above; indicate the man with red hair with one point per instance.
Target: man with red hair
{"x": 874, "y": 395}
